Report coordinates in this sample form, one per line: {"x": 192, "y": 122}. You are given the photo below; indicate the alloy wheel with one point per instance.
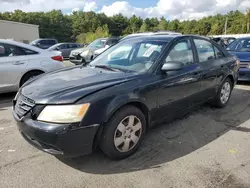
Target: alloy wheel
{"x": 128, "y": 133}
{"x": 225, "y": 92}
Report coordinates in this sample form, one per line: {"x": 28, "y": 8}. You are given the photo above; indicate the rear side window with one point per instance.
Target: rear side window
{"x": 205, "y": 50}
{"x": 7, "y": 50}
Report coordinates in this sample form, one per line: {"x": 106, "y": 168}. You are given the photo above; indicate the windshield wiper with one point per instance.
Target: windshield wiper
{"x": 107, "y": 68}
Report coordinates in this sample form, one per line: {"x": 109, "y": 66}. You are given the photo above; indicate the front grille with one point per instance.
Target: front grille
{"x": 23, "y": 105}
{"x": 244, "y": 64}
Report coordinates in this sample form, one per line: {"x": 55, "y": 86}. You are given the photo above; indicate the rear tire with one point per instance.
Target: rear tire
{"x": 224, "y": 93}
{"x": 29, "y": 76}
{"x": 123, "y": 133}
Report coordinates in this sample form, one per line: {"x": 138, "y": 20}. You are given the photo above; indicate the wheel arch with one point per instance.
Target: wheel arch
{"x": 137, "y": 103}
{"x": 28, "y": 72}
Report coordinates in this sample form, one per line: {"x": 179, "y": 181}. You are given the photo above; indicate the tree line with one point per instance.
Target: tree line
{"x": 84, "y": 27}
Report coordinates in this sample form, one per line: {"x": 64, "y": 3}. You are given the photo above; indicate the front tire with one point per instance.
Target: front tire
{"x": 224, "y": 94}
{"x": 123, "y": 133}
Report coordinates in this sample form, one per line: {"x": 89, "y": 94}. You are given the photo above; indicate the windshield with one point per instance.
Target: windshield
{"x": 135, "y": 56}
{"x": 98, "y": 43}
{"x": 240, "y": 45}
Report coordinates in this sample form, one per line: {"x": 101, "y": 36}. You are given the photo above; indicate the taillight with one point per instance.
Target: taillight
{"x": 57, "y": 58}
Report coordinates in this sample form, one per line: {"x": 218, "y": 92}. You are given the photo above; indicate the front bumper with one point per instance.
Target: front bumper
{"x": 76, "y": 59}
{"x": 57, "y": 139}
{"x": 244, "y": 74}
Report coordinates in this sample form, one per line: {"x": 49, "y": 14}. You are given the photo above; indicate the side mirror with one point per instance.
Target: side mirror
{"x": 172, "y": 66}
{"x": 57, "y": 48}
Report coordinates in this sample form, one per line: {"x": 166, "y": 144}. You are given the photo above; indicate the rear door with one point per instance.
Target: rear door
{"x": 211, "y": 64}
{"x": 13, "y": 62}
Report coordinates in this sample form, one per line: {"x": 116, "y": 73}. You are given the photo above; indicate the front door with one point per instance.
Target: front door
{"x": 13, "y": 62}
{"x": 178, "y": 90}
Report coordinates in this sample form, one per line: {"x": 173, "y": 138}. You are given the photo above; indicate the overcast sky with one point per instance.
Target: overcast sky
{"x": 171, "y": 9}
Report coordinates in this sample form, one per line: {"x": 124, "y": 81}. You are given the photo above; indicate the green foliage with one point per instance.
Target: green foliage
{"x": 86, "y": 26}
{"x": 100, "y": 32}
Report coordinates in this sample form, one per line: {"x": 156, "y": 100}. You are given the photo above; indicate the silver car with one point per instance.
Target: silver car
{"x": 87, "y": 54}
{"x": 20, "y": 62}
{"x": 65, "y": 48}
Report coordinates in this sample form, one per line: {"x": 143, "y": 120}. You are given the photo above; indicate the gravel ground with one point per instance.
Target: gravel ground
{"x": 209, "y": 148}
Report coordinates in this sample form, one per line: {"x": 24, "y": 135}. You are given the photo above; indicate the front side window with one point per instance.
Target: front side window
{"x": 240, "y": 45}
{"x": 205, "y": 50}
{"x": 63, "y": 46}
{"x": 132, "y": 56}
{"x": 181, "y": 52}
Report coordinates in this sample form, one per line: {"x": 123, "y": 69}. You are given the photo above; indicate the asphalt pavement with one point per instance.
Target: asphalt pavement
{"x": 208, "y": 148}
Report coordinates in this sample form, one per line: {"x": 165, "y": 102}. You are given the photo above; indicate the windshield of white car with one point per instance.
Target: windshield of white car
{"x": 98, "y": 43}
{"x": 131, "y": 55}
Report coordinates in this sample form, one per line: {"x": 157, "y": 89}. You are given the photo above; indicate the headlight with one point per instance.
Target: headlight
{"x": 85, "y": 53}
{"x": 63, "y": 113}
{"x": 75, "y": 53}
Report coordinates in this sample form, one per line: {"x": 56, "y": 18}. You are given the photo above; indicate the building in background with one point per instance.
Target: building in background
{"x": 17, "y": 31}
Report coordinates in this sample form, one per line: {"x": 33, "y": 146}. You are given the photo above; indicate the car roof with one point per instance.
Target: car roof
{"x": 12, "y": 42}
{"x": 164, "y": 37}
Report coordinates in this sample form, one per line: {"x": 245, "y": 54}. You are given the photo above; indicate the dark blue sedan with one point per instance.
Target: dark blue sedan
{"x": 241, "y": 48}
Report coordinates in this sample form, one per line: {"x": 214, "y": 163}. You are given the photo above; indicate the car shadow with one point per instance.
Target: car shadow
{"x": 6, "y": 100}
{"x": 173, "y": 140}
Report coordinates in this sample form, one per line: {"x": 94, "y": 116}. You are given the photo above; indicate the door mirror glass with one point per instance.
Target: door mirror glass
{"x": 172, "y": 66}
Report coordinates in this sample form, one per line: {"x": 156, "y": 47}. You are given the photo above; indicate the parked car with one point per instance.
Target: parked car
{"x": 87, "y": 54}
{"x": 127, "y": 89}
{"x": 20, "y": 62}
{"x": 65, "y": 48}
{"x": 241, "y": 48}
{"x": 44, "y": 43}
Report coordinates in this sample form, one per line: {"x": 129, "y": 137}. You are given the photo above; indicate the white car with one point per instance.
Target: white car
{"x": 20, "y": 62}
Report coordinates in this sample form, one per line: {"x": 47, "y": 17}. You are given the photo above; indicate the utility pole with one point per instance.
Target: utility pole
{"x": 226, "y": 26}
{"x": 248, "y": 25}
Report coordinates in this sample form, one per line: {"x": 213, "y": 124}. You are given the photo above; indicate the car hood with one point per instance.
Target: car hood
{"x": 71, "y": 84}
{"x": 243, "y": 56}
{"x": 80, "y": 50}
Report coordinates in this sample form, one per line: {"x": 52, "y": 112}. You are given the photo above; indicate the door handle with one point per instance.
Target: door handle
{"x": 18, "y": 63}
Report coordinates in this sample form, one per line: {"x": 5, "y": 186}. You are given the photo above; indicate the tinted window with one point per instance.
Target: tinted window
{"x": 63, "y": 46}
{"x": 47, "y": 42}
{"x": 182, "y": 52}
{"x": 241, "y": 45}
{"x": 73, "y": 46}
{"x": 111, "y": 42}
{"x": 7, "y": 50}
{"x": 205, "y": 50}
